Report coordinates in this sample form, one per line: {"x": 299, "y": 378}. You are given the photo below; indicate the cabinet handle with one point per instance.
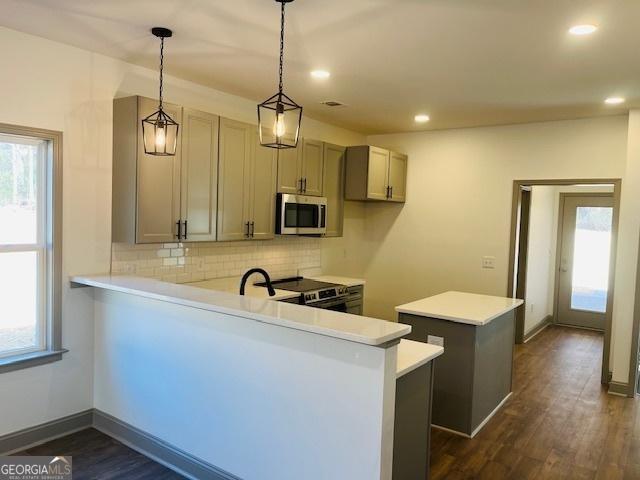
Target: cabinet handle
{"x": 185, "y": 230}
{"x": 387, "y": 192}
{"x": 179, "y": 224}
{"x": 247, "y": 227}
{"x": 390, "y": 192}
{"x": 253, "y": 228}
{"x": 304, "y": 190}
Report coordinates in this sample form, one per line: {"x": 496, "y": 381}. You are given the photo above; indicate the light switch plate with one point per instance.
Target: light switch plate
{"x": 488, "y": 262}
{"x": 434, "y": 340}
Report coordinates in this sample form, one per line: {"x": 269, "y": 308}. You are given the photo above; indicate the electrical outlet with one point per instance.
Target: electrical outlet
{"x": 488, "y": 262}
{"x": 200, "y": 264}
{"x": 434, "y": 340}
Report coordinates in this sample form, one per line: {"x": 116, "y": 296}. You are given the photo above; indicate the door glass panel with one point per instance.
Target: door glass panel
{"x": 307, "y": 216}
{"x": 590, "y": 276}
{"x": 19, "y": 316}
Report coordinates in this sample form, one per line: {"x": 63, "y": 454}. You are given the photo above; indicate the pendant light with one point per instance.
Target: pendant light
{"x": 279, "y": 117}
{"x": 159, "y": 130}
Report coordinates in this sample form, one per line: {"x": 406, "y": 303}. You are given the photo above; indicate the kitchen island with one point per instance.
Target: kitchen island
{"x": 243, "y": 387}
{"x": 474, "y": 373}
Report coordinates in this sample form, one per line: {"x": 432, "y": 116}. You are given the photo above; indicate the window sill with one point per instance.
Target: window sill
{"x": 28, "y": 360}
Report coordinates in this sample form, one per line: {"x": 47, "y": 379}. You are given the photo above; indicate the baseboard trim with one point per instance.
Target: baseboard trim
{"x": 157, "y": 449}
{"x": 620, "y": 389}
{"x": 32, "y": 436}
{"x": 479, "y": 427}
{"x": 544, "y": 323}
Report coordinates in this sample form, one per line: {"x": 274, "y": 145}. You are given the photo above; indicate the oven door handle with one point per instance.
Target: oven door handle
{"x": 328, "y": 303}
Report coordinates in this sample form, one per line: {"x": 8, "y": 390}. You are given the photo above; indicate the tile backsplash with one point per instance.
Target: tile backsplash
{"x": 190, "y": 262}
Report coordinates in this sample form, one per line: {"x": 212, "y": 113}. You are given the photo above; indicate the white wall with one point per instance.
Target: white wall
{"x": 54, "y": 86}
{"x": 540, "y": 257}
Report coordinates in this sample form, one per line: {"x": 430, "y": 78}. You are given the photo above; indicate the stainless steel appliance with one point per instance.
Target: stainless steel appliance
{"x": 314, "y": 293}
{"x": 301, "y": 215}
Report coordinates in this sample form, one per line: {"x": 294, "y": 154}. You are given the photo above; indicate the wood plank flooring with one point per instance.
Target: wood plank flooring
{"x": 97, "y": 456}
{"x": 560, "y": 423}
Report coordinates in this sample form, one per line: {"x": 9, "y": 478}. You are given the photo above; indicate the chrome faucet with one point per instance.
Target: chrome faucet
{"x": 261, "y": 271}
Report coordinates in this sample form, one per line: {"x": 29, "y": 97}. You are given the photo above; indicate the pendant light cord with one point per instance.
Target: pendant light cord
{"x": 161, "y": 68}
{"x": 281, "y": 45}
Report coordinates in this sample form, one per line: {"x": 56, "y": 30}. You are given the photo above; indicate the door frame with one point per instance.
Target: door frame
{"x": 513, "y": 252}
{"x": 560, "y": 229}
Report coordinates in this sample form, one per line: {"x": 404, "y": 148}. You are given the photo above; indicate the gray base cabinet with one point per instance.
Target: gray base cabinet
{"x": 412, "y": 425}
{"x": 475, "y": 371}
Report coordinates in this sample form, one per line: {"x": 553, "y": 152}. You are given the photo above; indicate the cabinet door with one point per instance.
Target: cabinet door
{"x": 289, "y": 171}
{"x": 312, "y": 167}
{"x": 264, "y": 169}
{"x": 398, "y": 176}
{"x": 158, "y": 184}
{"x": 378, "y": 178}
{"x": 199, "y": 176}
{"x": 334, "y": 159}
{"x": 233, "y": 179}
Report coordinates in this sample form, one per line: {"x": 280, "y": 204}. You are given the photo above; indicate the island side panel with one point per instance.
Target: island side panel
{"x": 453, "y": 385}
{"x": 253, "y": 399}
{"x": 493, "y": 366}
{"x": 412, "y": 435}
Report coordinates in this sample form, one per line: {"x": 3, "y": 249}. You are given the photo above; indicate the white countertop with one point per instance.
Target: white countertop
{"x": 461, "y": 307}
{"x": 346, "y": 281}
{"x": 412, "y": 354}
{"x": 232, "y": 285}
{"x": 355, "y": 328}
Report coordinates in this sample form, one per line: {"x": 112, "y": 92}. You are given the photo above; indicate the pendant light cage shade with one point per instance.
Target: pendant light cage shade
{"x": 160, "y": 134}
{"x": 279, "y": 117}
{"x": 159, "y": 130}
{"x": 279, "y": 120}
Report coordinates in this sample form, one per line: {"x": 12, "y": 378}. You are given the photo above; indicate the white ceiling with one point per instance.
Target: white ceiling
{"x": 464, "y": 62}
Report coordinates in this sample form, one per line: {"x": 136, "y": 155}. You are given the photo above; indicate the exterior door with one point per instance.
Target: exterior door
{"x": 199, "y": 175}
{"x": 312, "y": 167}
{"x": 289, "y": 173}
{"x": 263, "y": 191}
{"x": 584, "y": 256}
{"x": 397, "y": 176}
{"x": 158, "y": 185}
{"x": 234, "y": 178}
{"x": 378, "y": 178}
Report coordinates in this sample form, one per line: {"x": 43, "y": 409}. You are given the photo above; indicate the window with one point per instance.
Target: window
{"x": 30, "y": 247}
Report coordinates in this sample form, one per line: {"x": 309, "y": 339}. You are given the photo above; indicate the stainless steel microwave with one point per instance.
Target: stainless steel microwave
{"x": 301, "y": 215}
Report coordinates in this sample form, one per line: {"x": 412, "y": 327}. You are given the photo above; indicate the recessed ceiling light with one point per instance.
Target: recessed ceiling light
{"x": 614, "y": 100}
{"x": 586, "y": 29}
{"x": 421, "y": 118}
{"x": 322, "y": 74}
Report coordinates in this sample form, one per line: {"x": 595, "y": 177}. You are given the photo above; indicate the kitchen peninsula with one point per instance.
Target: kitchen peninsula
{"x": 248, "y": 376}
{"x": 474, "y": 373}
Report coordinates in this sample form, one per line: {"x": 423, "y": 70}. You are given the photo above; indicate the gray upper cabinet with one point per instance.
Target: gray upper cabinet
{"x": 155, "y": 198}
{"x": 146, "y": 188}
{"x": 301, "y": 169}
{"x": 264, "y": 168}
{"x": 233, "y": 186}
{"x": 247, "y": 184}
{"x": 374, "y": 173}
{"x": 397, "y": 177}
{"x": 199, "y": 176}
{"x": 333, "y": 181}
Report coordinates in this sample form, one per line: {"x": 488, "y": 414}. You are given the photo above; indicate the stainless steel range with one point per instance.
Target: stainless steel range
{"x": 314, "y": 293}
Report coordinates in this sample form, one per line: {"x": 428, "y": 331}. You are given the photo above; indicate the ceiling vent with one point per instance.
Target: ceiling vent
{"x": 332, "y": 103}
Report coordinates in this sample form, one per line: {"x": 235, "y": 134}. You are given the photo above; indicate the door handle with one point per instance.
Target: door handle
{"x": 185, "y": 230}
{"x": 179, "y": 234}
{"x": 253, "y": 228}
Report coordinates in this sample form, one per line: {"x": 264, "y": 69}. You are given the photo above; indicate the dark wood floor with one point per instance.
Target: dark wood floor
{"x": 99, "y": 457}
{"x": 559, "y": 423}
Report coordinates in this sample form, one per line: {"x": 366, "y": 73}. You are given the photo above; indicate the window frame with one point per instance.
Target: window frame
{"x": 51, "y": 348}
